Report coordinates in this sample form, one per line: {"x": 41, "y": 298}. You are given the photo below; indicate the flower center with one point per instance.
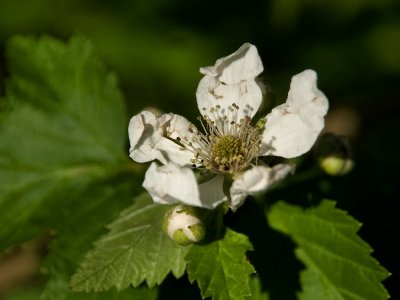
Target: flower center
{"x": 227, "y": 151}
{"x": 227, "y": 145}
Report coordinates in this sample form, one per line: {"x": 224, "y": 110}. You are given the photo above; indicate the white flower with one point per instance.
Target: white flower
{"x": 228, "y": 96}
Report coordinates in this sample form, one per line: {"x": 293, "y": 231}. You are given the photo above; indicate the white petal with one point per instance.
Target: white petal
{"x": 174, "y": 153}
{"x": 212, "y": 193}
{"x": 148, "y": 140}
{"x": 256, "y": 180}
{"x": 180, "y": 128}
{"x": 292, "y": 128}
{"x": 231, "y": 80}
{"x": 136, "y": 128}
{"x": 171, "y": 184}
{"x": 143, "y": 136}
{"x": 241, "y": 65}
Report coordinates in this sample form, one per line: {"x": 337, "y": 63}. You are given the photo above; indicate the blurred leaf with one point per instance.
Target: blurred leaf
{"x": 383, "y": 42}
{"x": 64, "y": 128}
{"x": 256, "y": 290}
{"x": 221, "y": 268}
{"x": 135, "y": 249}
{"x": 337, "y": 260}
{"x": 82, "y": 224}
{"x": 23, "y": 294}
{"x": 69, "y": 80}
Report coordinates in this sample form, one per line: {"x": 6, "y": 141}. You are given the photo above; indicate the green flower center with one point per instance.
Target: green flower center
{"x": 227, "y": 150}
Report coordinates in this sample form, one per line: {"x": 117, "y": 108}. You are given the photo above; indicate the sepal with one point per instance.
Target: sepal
{"x": 184, "y": 225}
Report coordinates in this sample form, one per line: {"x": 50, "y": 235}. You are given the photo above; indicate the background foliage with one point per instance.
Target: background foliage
{"x": 156, "y": 48}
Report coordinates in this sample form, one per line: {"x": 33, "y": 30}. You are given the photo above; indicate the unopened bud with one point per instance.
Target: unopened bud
{"x": 334, "y": 155}
{"x": 183, "y": 225}
{"x": 336, "y": 166}
{"x": 261, "y": 124}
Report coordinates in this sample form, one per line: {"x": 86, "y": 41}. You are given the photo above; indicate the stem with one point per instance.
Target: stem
{"x": 300, "y": 178}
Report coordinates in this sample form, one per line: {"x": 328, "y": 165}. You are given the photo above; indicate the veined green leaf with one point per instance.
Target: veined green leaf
{"x": 82, "y": 224}
{"x": 221, "y": 268}
{"x": 338, "y": 262}
{"x": 135, "y": 250}
{"x": 63, "y": 129}
{"x": 58, "y": 289}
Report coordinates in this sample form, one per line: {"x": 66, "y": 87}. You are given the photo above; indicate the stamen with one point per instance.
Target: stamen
{"x": 226, "y": 144}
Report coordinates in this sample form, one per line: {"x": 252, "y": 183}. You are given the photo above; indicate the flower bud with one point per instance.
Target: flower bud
{"x": 336, "y": 166}
{"x": 334, "y": 155}
{"x": 183, "y": 225}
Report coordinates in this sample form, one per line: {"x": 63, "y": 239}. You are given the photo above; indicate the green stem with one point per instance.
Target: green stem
{"x": 300, "y": 178}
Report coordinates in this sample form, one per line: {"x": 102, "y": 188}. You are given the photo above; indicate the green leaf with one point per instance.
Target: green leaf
{"x": 338, "y": 262}
{"x": 221, "y": 268}
{"x": 58, "y": 289}
{"x": 23, "y": 294}
{"x": 63, "y": 129}
{"x": 75, "y": 235}
{"x": 135, "y": 249}
{"x": 256, "y": 290}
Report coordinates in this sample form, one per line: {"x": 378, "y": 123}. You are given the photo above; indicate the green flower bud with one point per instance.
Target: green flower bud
{"x": 261, "y": 124}
{"x": 334, "y": 155}
{"x": 183, "y": 225}
{"x": 336, "y": 166}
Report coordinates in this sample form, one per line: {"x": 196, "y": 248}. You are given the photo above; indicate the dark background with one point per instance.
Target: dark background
{"x": 156, "y": 48}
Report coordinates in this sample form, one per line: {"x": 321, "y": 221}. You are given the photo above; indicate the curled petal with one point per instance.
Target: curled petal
{"x": 231, "y": 80}
{"x": 149, "y": 139}
{"x": 173, "y": 184}
{"x": 256, "y": 180}
{"x": 292, "y": 128}
{"x": 143, "y": 137}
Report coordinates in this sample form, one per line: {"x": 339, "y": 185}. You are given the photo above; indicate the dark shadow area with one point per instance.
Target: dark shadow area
{"x": 273, "y": 255}
{"x": 173, "y": 288}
